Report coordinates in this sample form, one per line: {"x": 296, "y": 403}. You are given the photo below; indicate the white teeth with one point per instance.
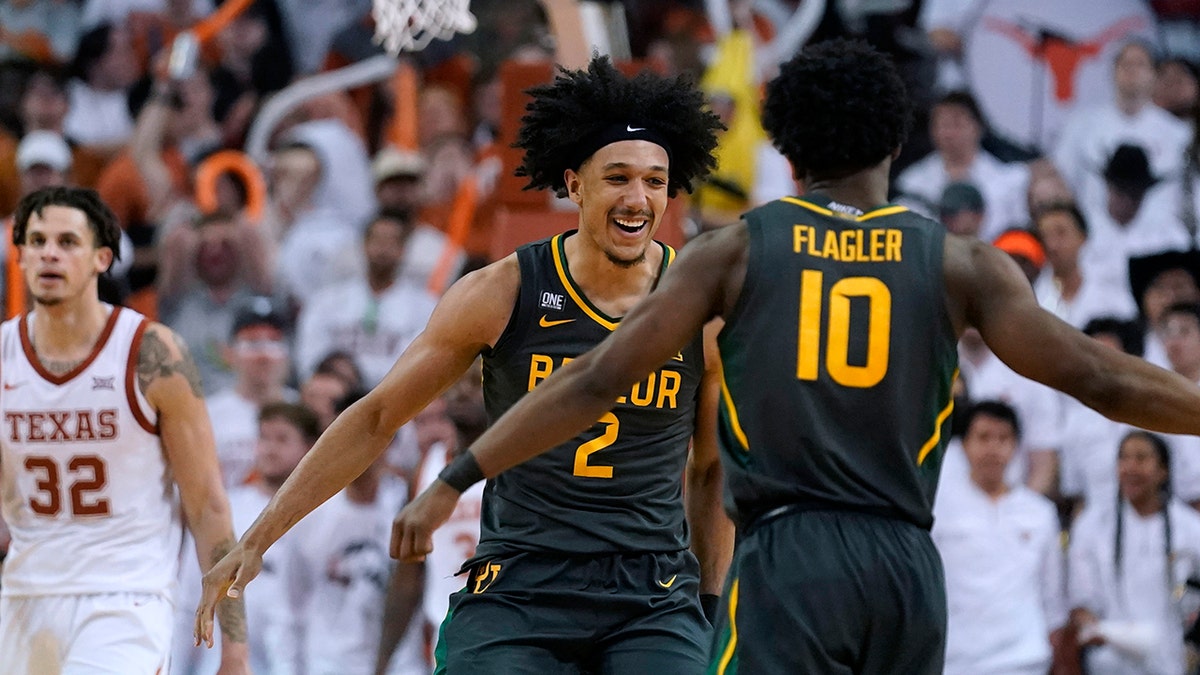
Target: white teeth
{"x": 632, "y": 225}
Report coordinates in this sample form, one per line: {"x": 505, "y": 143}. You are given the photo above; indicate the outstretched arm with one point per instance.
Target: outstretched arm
{"x": 986, "y": 290}
{"x": 698, "y": 286}
{"x": 470, "y": 317}
{"x": 168, "y": 378}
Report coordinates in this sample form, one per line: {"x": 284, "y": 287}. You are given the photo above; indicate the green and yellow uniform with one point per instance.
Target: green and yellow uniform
{"x": 838, "y": 360}
{"x": 583, "y": 557}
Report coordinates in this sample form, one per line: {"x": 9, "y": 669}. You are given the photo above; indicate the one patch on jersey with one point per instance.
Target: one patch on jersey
{"x": 102, "y": 383}
{"x": 551, "y": 300}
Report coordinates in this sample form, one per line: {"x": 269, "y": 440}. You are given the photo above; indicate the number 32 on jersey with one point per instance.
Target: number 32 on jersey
{"x": 835, "y": 339}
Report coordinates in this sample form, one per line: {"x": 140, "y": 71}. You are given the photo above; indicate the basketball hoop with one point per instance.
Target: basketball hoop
{"x": 410, "y": 25}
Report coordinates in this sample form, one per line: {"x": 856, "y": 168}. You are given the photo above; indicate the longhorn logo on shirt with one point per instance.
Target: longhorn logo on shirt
{"x": 99, "y": 383}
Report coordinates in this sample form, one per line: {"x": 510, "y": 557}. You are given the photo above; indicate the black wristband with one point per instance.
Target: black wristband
{"x": 463, "y": 472}
{"x": 710, "y": 603}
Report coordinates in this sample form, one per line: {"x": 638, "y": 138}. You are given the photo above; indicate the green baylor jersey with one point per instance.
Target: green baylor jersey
{"x": 838, "y": 360}
{"x": 617, "y": 487}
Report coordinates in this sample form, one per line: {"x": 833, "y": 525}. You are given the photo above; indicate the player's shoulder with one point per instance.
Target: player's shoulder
{"x": 477, "y": 307}
{"x": 488, "y": 284}
{"x": 162, "y": 353}
{"x": 158, "y": 338}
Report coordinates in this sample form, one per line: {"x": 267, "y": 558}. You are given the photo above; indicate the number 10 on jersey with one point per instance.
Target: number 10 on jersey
{"x": 836, "y": 337}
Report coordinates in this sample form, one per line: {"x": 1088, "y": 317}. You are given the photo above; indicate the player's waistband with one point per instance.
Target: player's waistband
{"x": 806, "y": 507}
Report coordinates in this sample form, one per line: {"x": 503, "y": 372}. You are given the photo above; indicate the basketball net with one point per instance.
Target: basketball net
{"x": 410, "y": 25}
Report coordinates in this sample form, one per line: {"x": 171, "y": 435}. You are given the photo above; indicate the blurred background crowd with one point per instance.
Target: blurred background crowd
{"x": 295, "y": 221}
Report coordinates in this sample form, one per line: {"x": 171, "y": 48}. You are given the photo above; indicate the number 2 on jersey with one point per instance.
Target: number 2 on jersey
{"x": 582, "y": 467}
{"x": 837, "y": 334}
{"x": 89, "y": 474}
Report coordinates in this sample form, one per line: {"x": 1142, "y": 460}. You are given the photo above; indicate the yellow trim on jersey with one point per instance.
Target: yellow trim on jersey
{"x": 575, "y": 295}
{"x": 733, "y": 416}
{"x": 561, "y": 268}
{"x": 884, "y": 211}
{"x": 811, "y": 207}
{"x": 937, "y": 426}
{"x": 731, "y": 646}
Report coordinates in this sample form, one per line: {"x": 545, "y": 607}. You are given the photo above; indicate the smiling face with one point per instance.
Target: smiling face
{"x": 59, "y": 256}
{"x": 621, "y": 191}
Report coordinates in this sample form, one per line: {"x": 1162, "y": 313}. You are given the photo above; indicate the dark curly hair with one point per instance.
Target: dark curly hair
{"x": 100, "y": 218}
{"x": 579, "y": 105}
{"x": 836, "y": 108}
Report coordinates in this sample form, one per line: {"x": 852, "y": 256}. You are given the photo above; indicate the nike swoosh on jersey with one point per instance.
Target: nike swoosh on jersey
{"x": 8, "y": 386}
{"x": 668, "y": 583}
{"x": 546, "y": 323}
{"x": 630, "y": 128}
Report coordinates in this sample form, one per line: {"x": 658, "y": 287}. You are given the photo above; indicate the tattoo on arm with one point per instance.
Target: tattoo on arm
{"x": 155, "y": 361}
{"x": 231, "y": 612}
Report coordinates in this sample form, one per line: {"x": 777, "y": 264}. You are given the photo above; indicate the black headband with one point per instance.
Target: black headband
{"x": 624, "y": 131}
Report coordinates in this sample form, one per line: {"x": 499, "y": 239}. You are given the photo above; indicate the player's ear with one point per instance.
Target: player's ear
{"x": 573, "y": 182}
{"x": 104, "y": 259}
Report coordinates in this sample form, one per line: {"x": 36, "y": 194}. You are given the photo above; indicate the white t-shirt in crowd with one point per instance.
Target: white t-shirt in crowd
{"x": 1004, "y": 575}
{"x": 1140, "y": 594}
{"x": 1002, "y": 185}
{"x": 337, "y": 559}
{"x": 1091, "y": 134}
{"x": 375, "y": 328}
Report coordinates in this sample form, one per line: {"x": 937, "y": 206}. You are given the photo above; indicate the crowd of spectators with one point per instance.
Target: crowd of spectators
{"x": 295, "y": 294}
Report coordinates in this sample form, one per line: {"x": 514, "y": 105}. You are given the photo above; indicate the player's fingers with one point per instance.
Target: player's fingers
{"x": 203, "y": 631}
{"x": 245, "y": 573}
{"x": 412, "y": 548}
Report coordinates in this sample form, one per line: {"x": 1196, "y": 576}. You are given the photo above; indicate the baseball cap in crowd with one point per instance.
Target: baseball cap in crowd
{"x": 45, "y": 148}
{"x": 392, "y": 162}
{"x": 960, "y": 197}
{"x": 1017, "y": 242}
{"x": 258, "y": 311}
{"x": 1128, "y": 169}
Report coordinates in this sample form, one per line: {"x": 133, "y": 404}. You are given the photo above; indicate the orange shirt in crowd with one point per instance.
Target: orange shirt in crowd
{"x": 122, "y": 188}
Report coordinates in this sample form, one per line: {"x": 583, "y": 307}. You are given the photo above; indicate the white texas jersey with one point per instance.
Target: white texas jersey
{"x": 86, "y": 489}
{"x": 453, "y": 543}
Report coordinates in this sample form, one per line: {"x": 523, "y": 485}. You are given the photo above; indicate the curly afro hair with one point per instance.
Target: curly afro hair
{"x": 836, "y": 108}
{"x": 581, "y": 104}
